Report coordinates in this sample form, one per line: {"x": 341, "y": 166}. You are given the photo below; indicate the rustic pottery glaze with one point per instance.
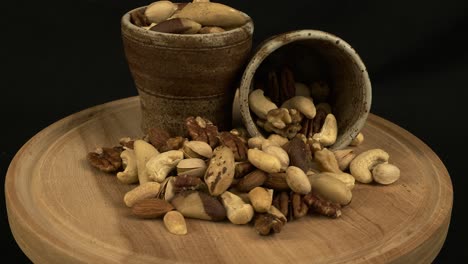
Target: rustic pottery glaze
{"x": 315, "y": 55}
{"x": 185, "y": 75}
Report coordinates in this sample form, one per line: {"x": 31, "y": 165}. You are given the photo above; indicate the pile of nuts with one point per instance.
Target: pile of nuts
{"x": 197, "y": 17}
{"x": 214, "y": 175}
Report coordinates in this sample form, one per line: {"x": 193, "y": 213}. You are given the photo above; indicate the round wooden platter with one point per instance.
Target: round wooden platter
{"x": 63, "y": 211}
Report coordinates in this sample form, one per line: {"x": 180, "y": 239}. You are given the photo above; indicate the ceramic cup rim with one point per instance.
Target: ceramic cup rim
{"x": 211, "y": 39}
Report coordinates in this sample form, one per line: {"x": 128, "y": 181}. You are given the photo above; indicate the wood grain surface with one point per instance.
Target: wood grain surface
{"x": 63, "y": 211}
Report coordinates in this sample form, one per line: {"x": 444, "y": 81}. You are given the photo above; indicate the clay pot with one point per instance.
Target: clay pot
{"x": 314, "y": 55}
{"x": 185, "y": 75}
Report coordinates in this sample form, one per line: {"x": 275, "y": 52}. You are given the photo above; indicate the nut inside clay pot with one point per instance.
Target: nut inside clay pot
{"x": 314, "y": 56}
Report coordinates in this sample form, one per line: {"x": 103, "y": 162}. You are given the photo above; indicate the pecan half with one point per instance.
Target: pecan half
{"x": 307, "y": 127}
{"x": 273, "y": 87}
{"x": 201, "y": 129}
{"x": 290, "y": 204}
{"x": 288, "y": 89}
{"x": 173, "y": 143}
{"x": 237, "y": 145}
{"x": 322, "y": 206}
{"x": 299, "y": 207}
{"x": 106, "y": 159}
{"x": 187, "y": 182}
{"x": 281, "y": 201}
{"x": 272, "y": 221}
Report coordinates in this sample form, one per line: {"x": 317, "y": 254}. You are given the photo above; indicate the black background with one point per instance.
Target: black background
{"x": 64, "y": 56}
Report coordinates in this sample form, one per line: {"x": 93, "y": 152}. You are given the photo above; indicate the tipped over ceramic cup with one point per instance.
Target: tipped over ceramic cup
{"x": 181, "y": 75}
{"x": 314, "y": 56}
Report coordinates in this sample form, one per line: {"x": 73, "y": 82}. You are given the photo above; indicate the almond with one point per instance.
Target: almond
{"x": 251, "y": 180}
{"x": 151, "y": 208}
{"x": 277, "y": 181}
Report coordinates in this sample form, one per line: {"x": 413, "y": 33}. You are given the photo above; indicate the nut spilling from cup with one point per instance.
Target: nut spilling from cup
{"x": 287, "y": 107}
{"x": 217, "y": 175}
{"x": 197, "y": 17}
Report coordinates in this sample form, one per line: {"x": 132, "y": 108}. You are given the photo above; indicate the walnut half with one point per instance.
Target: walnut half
{"x": 106, "y": 159}
{"x": 201, "y": 129}
{"x": 236, "y": 144}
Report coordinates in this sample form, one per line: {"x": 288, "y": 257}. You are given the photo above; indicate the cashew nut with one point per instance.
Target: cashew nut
{"x": 357, "y": 140}
{"x": 328, "y": 132}
{"x": 130, "y": 173}
{"x": 237, "y": 211}
{"x": 144, "y": 151}
{"x": 362, "y": 165}
{"x": 303, "y": 104}
{"x": 259, "y": 104}
{"x": 385, "y": 173}
{"x": 158, "y": 167}
{"x": 264, "y": 161}
{"x": 297, "y": 180}
{"x": 280, "y": 153}
{"x": 344, "y": 158}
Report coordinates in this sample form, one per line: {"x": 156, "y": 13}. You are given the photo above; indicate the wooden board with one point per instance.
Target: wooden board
{"x": 63, "y": 211}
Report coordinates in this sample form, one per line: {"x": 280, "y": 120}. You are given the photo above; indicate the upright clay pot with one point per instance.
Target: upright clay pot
{"x": 181, "y": 75}
{"x": 314, "y": 55}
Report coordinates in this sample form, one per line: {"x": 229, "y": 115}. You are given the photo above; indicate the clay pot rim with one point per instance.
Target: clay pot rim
{"x": 211, "y": 39}
{"x": 273, "y": 43}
